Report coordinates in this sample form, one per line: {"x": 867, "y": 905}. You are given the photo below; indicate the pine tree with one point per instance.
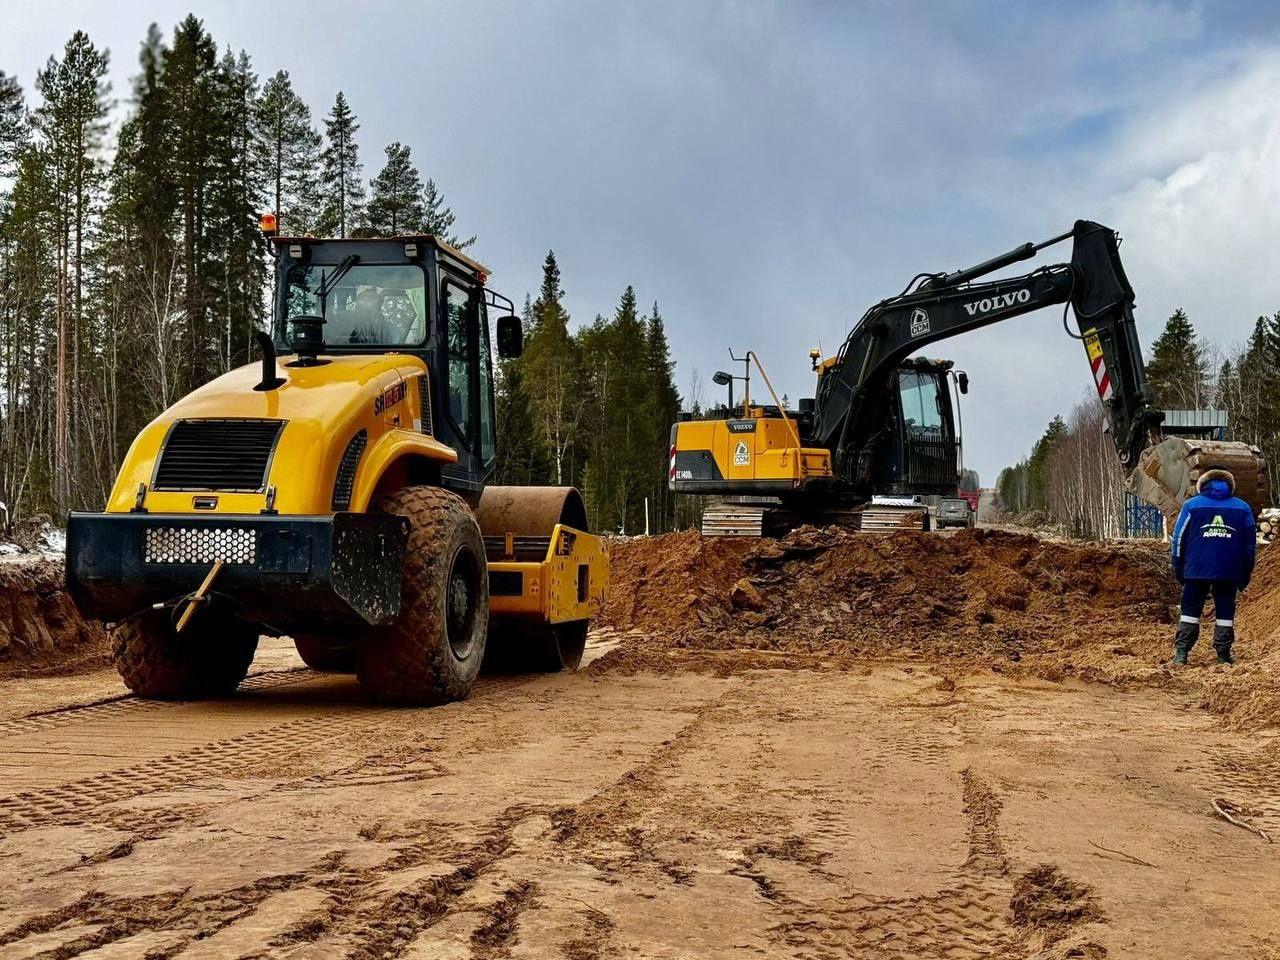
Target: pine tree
{"x": 141, "y": 248}
{"x": 1254, "y": 410}
{"x": 188, "y": 97}
{"x": 33, "y": 258}
{"x": 292, "y": 147}
{"x": 340, "y": 177}
{"x": 72, "y": 121}
{"x": 401, "y": 203}
{"x": 621, "y": 460}
{"x": 553, "y": 371}
{"x": 395, "y": 206}
{"x": 146, "y": 143}
{"x": 1038, "y": 464}
{"x": 437, "y": 218}
{"x": 1177, "y": 373}
{"x": 521, "y": 457}
{"x": 665, "y": 402}
{"x": 13, "y": 123}
{"x": 235, "y": 202}
{"x": 1011, "y": 488}
{"x": 14, "y": 144}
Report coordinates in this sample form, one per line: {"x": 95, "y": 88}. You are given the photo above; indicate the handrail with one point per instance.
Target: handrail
{"x": 795, "y": 434}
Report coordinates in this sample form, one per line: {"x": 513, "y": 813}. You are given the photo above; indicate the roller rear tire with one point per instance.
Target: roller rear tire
{"x": 208, "y": 659}
{"x": 432, "y": 652}
{"x": 325, "y": 654}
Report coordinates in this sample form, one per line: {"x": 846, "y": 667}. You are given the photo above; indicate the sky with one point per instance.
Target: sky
{"x": 766, "y": 171}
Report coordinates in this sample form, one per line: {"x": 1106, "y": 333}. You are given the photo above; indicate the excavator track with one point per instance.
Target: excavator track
{"x": 768, "y": 517}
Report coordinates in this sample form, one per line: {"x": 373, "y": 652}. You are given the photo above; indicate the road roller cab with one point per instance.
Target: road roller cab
{"x": 337, "y": 492}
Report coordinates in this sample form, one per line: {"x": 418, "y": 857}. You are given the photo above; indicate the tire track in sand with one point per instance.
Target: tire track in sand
{"x": 969, "y": 919}
{"x": 375, "y": 922}
{"x": 127, "y": 703}
{"x": 82, "y": 801}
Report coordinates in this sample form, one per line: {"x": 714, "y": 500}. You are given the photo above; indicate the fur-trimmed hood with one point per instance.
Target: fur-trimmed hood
{"x": 1224, "y": 475}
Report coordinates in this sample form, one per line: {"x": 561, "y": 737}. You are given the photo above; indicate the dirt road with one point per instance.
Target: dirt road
{"x": 878, "y": 811}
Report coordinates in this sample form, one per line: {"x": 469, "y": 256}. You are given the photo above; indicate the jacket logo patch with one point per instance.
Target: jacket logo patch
{"x": 1217, "y": 529}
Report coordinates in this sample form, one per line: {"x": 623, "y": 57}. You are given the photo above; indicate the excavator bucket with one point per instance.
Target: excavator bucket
{"x": 1167, "y": 472}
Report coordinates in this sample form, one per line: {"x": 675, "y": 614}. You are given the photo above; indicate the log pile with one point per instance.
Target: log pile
{"x": 1268, "y": 525}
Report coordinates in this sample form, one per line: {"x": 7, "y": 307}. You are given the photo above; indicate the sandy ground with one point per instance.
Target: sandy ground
{"x": 882, "y": 811}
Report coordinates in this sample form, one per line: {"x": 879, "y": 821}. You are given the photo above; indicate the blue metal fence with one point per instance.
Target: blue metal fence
{"x": 1141, "y": 519}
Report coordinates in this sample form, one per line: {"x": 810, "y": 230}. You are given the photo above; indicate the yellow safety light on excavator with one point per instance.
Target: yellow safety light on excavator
{"x": 267, "y": 223}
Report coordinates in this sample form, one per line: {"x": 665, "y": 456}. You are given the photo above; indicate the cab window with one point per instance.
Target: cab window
{"x": 459, "y": 334}
{"x": 487, "y": 451}
{"x": 372, "y": 304}
{"x": 919, "y": 393}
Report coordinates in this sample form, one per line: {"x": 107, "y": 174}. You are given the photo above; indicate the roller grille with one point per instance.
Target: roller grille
{"x": 346, "y": 481}
{"x": 424, "y": 404}
{"x": 200, "y": 545}
{"x": 231, "y": 455}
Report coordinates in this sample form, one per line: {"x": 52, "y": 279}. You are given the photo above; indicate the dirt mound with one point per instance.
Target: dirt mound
{"x": 40, "y": 628}
{"x": 827, "y": 599}
{"x": 1259, "y": 616}
{"x": 1248, "y": 694}
{"x": 1049, "y": 904}
{"x": 979, "y": 593}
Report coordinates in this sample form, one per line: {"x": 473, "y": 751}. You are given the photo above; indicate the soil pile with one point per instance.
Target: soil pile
{"x": 833, "y": 591}
{"x": 1006, "y": 601}
{"x": 40, "y": 628}
{"x": 1047, "y": 905}
{"x": 1248, "y": 694}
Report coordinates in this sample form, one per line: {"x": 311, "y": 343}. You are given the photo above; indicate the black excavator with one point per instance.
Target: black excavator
{"x": 879, "y": 432}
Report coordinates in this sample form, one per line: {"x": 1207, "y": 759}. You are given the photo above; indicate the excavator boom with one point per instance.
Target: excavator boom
{"x": 947, "y": 305}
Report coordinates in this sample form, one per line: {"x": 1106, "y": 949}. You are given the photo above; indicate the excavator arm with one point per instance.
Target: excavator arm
{"x": 940, "y": 306}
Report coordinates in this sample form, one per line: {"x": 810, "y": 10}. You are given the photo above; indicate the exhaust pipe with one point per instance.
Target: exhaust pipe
{"x": 270, "y": 381}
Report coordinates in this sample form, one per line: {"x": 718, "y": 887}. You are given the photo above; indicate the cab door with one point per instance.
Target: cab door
{"x": 928, "y": 457}
{"x": 465, "y": 381}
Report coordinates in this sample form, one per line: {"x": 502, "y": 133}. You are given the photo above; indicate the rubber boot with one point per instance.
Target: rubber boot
{"x": 1184, "y": 640}
{"x": 1223, "y": 638}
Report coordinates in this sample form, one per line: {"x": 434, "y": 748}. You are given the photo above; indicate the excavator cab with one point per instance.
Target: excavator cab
{"x": 922, "y": 452}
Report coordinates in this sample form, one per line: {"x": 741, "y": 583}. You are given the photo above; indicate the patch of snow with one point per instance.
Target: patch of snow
{"x": 53, "y": 542}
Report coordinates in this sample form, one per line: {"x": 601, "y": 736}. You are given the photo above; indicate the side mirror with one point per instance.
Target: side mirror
{"x": 510, "y": 337}
{"x": 963, "y": 379}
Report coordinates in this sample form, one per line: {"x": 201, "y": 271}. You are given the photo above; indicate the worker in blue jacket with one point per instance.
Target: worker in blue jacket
{"x": 1213, "y": 551}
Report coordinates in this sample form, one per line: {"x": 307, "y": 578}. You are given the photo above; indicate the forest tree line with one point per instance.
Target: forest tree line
{"x": 593, "y": 408}
{"x": 1072, "y": 474}
{"x": 132, "y": 270}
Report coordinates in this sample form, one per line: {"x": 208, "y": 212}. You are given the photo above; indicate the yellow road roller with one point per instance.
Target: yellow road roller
{"x": 337, "y": 494}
